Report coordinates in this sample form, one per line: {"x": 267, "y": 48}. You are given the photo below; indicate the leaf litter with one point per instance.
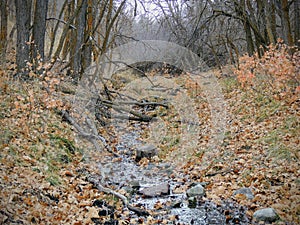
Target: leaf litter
{"x": 43, "y": 182}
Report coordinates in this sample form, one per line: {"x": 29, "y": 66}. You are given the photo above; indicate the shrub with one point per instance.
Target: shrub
{"x": 275, "y": 72}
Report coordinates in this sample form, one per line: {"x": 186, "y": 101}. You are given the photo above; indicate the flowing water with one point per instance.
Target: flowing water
{"x": 128, "y": 175}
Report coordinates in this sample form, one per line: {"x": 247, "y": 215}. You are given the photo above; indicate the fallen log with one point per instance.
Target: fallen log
{"x": 141, "y": 116}
{"x": 139, "y": 103}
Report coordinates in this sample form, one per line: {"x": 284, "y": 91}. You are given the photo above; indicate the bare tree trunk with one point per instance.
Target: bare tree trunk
{"x": 104, "y": 3}
{"x": 52, "y": 11}
{"x": 65, "y": 31}
{"x": 231, "y": 47}
{"x": 54, "y": 33}
{"x": 3, "y": 30}
{"x": 249, "y": 40}
{"x": 76, "y": 53}
{"x": 271, "y": 22}
{"x": 297, "y": 22}
{"x": 87, "y": 48}
{"x": 261, "y": 20}
{"x": 69, "y": 16}
{"x": 23, "y": 16}
{"x": 112, "y": 20}
{"x": 39, "y": 29}
{"x": 241, "y": 11}
{"x": 285, "y": 22}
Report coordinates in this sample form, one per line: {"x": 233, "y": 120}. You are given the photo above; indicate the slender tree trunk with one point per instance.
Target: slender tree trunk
{"x": 249, "y": 40}
{"x": 54, "y": 33}
{"x": 87, "y": 48}
{"x": 241, "y": 11}
{"x": 297, "y": 22}
{"x": 231, "y": 47}
{"x": 76, "y": 55}
{"x": 262, "y": 20}
{"x": 69, "y": 16}
{"x": 39, "y": 29}
{"x": 62, "y": 41}
{"x": 3, "y": 30}
{"x": 23, "y": 16}
{"x": 285, "y": 22}
{"x": 109, "y": 27}
{"x": 96, "y": 28}
{"x": 271, "y": 22}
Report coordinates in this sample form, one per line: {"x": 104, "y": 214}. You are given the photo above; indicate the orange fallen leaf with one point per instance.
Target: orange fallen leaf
{"x": 69, "y": 173}
{"x": 28, "y": 201}
{"x": 77, "y": 223}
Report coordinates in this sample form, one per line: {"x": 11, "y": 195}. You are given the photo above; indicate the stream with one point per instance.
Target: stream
{"x": 175, "y": 208}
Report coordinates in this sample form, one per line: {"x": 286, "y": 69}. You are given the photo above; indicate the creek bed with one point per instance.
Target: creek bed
{"x": 128, "y": 175}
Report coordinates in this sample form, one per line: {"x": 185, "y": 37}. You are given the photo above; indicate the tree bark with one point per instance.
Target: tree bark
{"x": 271, "y": 22}
{"x": 249, "y": 40}
{"x": 23, "y": 16}
{"x": 68, "y": 16}
{"x": 76, "y": 53}
{"x": 62, "y": 41}
{"x": 87, "y": 48}
{"x": 285, "y": 22}
{"x": 110, "y": 24}
{"x": 54, "y": 33}
{"x": 39, "y": 29}
{"x": 297, "y": 22}
{"x": 241, "y": 11}
{"x": 3, "y": 30}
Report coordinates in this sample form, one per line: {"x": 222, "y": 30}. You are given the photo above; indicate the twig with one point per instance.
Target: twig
{"x": 62, "y": 21}
{"x": 99, "y": 186}
{"x": 123, "y": 117}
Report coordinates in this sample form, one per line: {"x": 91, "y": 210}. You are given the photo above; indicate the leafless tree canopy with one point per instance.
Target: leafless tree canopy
{"x": 78, "y": 32}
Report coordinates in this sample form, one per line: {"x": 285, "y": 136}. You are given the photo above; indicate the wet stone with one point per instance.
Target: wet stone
{"x": 267, "y": 215}
{"x": 145, "y": 151}
{"x": 157, "y": 190}
{"x": 154, "y": 186}
{"x": 197, "y": 190}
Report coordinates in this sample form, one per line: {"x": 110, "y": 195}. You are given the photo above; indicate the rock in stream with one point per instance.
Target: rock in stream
{"x": 151, "y": 188}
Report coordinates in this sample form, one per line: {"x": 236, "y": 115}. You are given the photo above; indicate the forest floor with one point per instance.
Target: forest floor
{"x": 43, "y": 169}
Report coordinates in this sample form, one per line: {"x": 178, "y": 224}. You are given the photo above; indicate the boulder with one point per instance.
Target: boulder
{"x": 157, "y": 190}
{"x": 145, "y": 151}
{"x": 197, "y": 190}
{"x": 266, "y": 215}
